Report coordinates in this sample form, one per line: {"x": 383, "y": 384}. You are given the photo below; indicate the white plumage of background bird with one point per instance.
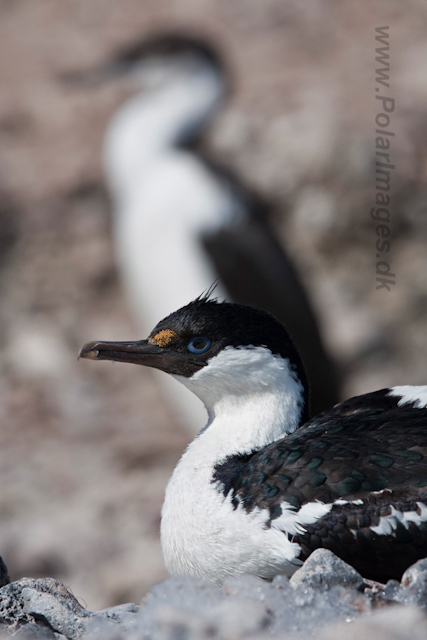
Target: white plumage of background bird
{"x": 179, "y": 224}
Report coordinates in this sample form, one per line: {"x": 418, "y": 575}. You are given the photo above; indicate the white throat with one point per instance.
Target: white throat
{"x": 155, "y": 120}
{"x": 164, "y": 199}
{"x": 252, "y": 398}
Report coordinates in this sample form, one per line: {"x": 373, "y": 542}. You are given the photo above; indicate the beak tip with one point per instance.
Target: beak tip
{"x": 88, "y": 351}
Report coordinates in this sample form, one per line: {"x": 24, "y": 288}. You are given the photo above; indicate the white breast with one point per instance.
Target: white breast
{"x": 205, "y": 537}
{"x": 253, "y": 398}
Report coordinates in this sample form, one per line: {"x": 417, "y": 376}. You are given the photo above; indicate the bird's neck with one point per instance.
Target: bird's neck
{"x": 247, "y": 410}
{"x": 151, "y": 122}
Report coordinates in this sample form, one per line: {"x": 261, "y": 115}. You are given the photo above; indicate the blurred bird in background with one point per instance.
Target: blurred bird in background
{"x": 181, "y": 222}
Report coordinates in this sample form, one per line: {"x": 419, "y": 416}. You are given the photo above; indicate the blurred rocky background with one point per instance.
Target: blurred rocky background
{"x": 86, "y": 451}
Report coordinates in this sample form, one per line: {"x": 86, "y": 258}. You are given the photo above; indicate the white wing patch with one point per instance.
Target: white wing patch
{"x": 409, "y": 394}
{"x": 389, "y": 523}
{"x": 292, "y": 522}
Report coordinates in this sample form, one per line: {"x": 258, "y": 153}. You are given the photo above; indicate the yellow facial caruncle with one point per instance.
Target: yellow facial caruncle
{"x": 163, "y": 338}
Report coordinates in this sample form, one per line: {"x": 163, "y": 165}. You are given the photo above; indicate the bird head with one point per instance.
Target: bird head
{"x": 216, "y": 349}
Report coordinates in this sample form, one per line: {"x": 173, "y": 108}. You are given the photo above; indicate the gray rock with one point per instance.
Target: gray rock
{"x": 123, "y": 616}
{"x": 45, "y": 607}
{"x": 245, "y": 606}
{"x": 43, "y": 603}
{"x": 393, "y": 591}
{"x": 12, "y": 610}
{"x": 187, "y": 597}
{"x": 227, "y": 620}
{"x": 63, "y": 614}
{"x": 33, "y": 631}
{"x": 324, "y": 570}
{"x": 392, "y": 623}
{"x": 100, "y": 628}
{"x": 119, "y": 610}
{"x": 414, "y": 583}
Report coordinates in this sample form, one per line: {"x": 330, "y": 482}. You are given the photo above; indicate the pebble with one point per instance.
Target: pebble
{"x": 323, "y": 569}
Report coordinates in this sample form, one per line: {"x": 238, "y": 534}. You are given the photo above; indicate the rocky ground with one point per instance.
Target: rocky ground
{"x": 325, "y": 598}
{"x": 86, "y": 450}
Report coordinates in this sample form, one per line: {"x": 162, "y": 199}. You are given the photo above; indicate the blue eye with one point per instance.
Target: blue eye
{"x": 199, "y": 344}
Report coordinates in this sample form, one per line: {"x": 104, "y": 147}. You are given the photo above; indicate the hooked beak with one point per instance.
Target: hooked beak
{"x": 141, "y": 352}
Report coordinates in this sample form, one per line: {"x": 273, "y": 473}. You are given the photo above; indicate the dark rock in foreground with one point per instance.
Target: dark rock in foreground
{"x": 4, "y": 578}
{"x": 325, "y": 596}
